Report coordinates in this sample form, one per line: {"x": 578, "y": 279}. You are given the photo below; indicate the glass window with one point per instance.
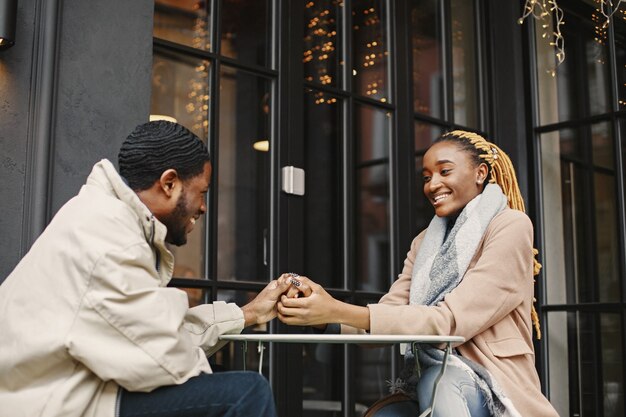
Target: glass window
{"x": 586, "y": 362}
{"x": 607, "y": 246}
{"x": 324, "y": 195}
{"x": 238, "y": 355}
{"x": 245, "y": 31}
{"x": 372, "y": 369}
{"x": 580, "y": 87}
{"x": 464, "y": 64}
{"x": 186, "y": 22}
{"x": 180, "y": 89}
{"x": 372, "y": 129}
{"x": 370, "y": 56}
{"x": 322, "y": 391}
{"x": 426, "y": 44}
{"x": 243, "y": 176}
{"x": 425, "y": 134}
{"x": 195, "y": 296}
{"x": 619, "y": 27}
{"x": 581, "y": 260}
{"x": 322, "y": 57}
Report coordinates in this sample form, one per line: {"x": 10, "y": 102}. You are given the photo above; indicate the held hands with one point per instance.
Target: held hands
{"x": 304, "y": 302}
{"x": 263, "y": 307}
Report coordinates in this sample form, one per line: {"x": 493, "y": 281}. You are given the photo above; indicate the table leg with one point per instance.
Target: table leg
{"x": 430, "y": 410}
{"x": 245, "y": 353}
{"x": 260, "y": 349}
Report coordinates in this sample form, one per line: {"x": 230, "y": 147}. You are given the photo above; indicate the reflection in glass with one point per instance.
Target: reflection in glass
{"x": 186, "y": 22}
{"x": 424, "y": 208}
{"x": 464, "y": 67}
{"x": 372, "y": 222}
{"x": 245, "y": 31}
{"x": 622, "y": 136}
{"x": 586, "y": 362}
{"x": 581, "y": 252}
{"x": 425, "y": 134}
{"x": 581, "y": 84}
{"x": 322, "y": 376}
{"x": 428, "y": 92}
{"x": 372, "y": 127}
{"x": 324, "y": 189}
{"x": 322, "y": 42}
{"x": 602, "y": 144}
{"x": 370, "y": 49}
{"x": 180, "y": 89}
{"x": 373, "y": 370}
{"x": 243, "y": 177}
{"x": 607, "y": 247}
{"x": 619, "y": 26}
{"x": 235, "y": 356}
{"x": 372, "y": 130}
{"x": 195, "y": 296}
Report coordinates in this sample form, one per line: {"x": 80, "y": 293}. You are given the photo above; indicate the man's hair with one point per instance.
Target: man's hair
{"x": 155, "y": 147}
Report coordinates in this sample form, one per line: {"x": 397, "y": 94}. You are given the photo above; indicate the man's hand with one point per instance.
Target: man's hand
{"x": 263, "y": 308}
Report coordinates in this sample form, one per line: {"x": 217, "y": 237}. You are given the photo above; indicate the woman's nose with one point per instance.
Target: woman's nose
{"x": 434, "y": 183}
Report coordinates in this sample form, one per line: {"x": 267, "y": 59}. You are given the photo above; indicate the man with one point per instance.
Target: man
{"x": 87, "y": 324}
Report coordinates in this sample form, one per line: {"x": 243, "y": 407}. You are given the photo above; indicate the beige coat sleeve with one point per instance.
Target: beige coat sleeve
{"x": 497, "y": 281}
{"x": 142, "y": 336}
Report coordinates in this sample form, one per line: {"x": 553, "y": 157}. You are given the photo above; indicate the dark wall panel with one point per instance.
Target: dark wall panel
{"x": 105, "y": 62}
{"x": 76, "y": 82}
{"x": 15, "y": 80}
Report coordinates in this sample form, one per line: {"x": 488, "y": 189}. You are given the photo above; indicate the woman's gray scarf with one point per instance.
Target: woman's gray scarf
{"x": 440, "y": 265}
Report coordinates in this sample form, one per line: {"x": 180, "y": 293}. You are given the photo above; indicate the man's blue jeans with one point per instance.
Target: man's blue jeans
{"x": 225, "y": 394}
{"x": 457, "y": 394}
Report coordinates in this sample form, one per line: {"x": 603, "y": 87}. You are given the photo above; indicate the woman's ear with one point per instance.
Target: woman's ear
{"x": 481, "y": 173}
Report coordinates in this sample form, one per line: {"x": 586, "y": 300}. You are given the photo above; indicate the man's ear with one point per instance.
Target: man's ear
{"x": 169, "y": 181}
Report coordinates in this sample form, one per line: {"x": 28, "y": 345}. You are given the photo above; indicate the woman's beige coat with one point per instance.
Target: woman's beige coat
{"x": 490, "y": 308}
{"x": 87, "y": 310}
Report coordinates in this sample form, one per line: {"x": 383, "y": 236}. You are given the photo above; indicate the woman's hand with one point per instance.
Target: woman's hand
{"x": 306, "y": 303}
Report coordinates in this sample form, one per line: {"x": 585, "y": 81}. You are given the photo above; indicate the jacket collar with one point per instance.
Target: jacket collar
{"x": 105, "y": 176}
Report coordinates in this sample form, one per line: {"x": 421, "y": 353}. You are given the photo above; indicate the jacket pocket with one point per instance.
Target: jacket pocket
{"x": 509, "y": 347}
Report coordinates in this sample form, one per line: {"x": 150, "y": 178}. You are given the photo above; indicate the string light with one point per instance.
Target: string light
{"x": 320, "y": 40}
{"x": 550, "y": 16}
{"x": 608, "y": 9}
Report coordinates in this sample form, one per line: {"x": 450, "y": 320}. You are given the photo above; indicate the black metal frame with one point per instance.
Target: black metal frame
{"x": 535, "y": 130}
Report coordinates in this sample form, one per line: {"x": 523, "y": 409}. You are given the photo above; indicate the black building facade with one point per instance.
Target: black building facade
{"x": 352, "y": 92}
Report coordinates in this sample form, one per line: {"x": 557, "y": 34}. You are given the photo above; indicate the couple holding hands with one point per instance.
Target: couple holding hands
{"x": 124, "y": 344}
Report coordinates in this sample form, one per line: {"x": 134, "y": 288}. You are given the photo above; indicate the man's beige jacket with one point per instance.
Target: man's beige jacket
{"x": 87, "y": 310}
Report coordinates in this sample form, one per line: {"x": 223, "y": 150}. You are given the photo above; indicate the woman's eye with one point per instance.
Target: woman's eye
{"x": 445, "y": 171}
{"x": 425, "y": 178}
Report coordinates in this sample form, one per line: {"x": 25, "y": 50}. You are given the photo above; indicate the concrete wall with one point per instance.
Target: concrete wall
{"x": 73, "y": 86}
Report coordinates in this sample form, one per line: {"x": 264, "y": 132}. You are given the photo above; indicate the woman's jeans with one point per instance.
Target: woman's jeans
{"x": 457, "y": 394}
{"x": 225, "y": 394}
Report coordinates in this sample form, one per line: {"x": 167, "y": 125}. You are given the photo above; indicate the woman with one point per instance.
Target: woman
{"x": 470, "y": 274}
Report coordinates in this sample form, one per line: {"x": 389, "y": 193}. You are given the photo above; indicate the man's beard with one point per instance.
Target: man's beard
{"x": 176, "y": 223}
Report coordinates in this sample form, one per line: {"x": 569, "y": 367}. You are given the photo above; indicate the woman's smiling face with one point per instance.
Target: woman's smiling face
{"x": 451, "y": 178}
